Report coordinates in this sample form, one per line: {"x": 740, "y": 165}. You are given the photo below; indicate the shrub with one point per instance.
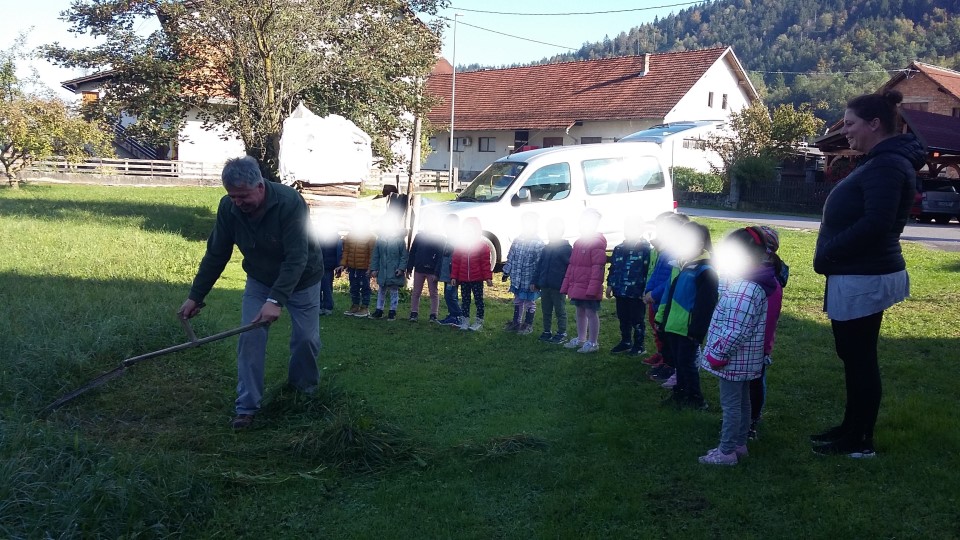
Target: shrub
{"x": 753, "y": 169}
{"x": 689, "y": 179}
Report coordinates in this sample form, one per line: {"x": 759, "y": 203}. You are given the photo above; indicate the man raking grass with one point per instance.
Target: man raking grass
{"x": 269, "y": 223}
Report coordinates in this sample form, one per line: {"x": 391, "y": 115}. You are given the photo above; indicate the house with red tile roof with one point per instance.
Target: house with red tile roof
{"x": 498, "y": 111}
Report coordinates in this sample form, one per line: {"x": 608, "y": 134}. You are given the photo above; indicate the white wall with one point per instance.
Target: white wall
{"x": 207, "y": 146}
{"x": 719, "y": 79}
{"x": 472, "y": 159}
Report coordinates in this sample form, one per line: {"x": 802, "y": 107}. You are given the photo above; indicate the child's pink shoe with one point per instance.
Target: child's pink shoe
{"x": 671, "y": 382}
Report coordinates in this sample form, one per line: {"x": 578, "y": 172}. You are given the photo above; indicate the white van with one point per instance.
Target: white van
{"x": 615, "y": 179}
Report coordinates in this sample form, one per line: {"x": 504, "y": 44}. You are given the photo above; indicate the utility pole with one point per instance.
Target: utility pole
{"x": 453, "y": 94}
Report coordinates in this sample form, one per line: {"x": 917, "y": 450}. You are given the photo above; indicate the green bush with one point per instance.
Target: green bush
{"x": 689, "y": 179}
{"x": 753, "y": 169}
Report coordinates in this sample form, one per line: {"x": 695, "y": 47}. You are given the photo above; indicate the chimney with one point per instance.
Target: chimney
{"x": 646, "y": 63}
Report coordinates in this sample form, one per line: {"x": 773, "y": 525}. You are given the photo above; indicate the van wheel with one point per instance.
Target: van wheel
{"x": 942, "y": 220}
{"x": 494, "y": 245}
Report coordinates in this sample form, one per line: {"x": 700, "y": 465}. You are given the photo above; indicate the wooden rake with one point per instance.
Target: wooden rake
{"x": 122, "y": 368}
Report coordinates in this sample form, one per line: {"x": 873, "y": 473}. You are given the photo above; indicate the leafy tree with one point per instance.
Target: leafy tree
{"x": 246, "y": 64}
{"x": 35, "y": 126}
{"x": 757, "y": 138}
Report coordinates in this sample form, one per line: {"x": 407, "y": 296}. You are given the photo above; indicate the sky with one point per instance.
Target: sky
{"x": 473, "y": 45}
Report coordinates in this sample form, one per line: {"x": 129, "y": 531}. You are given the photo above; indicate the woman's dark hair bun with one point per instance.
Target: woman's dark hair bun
{"x": 894, "y": 97}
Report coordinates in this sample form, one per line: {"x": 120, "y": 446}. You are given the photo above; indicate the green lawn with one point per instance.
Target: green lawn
{"x": 423, "y": 431}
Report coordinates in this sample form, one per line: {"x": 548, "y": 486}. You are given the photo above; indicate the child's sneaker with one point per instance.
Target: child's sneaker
{"x": 545, "y": 336}
{"x": 621, "y": 347}
{"x": 477, "y": 325}
{"x": 433, "y": 317}
{"x": 671, "y": 382}
{"x": 589, "y": 347}
{"x": 392, "y": 315}
{"x": 378, "y": 314}
{"x": 661, "y": 373}
{"x": 525, "y": 329}
{"x": 653, "y": 360}
{"x": 362, "y": 312}
{"x": 559, "y": 338}
{"x": 464, "y": 323}
{"x": 414, "y": 316}
{"x": 740, "y": 451}
{"x": 715, "y": 457}
{"x": 352, "y": 311}
{"x": 637, "y": 350}
{"x": 450, "y": 320}
{"x": 574, "y": 343}
{"x": 511, "y": 326}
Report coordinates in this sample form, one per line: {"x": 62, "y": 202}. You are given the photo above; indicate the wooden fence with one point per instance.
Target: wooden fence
{"x": 170, "y": 172}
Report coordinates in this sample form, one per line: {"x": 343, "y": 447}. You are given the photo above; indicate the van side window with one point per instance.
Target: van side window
{"x": 619, "y": 175}
{"x": 549, "y": 183}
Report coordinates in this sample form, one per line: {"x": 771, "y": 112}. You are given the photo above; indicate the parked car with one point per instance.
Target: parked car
{"x": 937, "y": 199}
{"x": 615, "y": 179}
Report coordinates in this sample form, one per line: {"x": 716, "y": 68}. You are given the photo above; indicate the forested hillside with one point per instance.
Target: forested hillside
{"x": 804, "y": 51}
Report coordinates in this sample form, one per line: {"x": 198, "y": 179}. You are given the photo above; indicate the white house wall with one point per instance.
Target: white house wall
{"x": 719, "y": 79}
{"x": 207, "y": 146}
{"x": 471, "y": 160}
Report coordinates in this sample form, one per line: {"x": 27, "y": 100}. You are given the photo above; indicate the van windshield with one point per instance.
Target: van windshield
{"x": 492, "y": 182}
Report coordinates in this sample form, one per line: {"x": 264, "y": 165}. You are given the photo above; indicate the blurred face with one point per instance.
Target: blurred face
{"x": 861, "y": 134}
{"x": 247, "y": 199}
{"x": 687, "y": 244}
{"x": 732, "y": 259}
{"x": 555, "y": 230}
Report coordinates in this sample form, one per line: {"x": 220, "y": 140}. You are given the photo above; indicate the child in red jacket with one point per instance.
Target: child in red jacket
{"x": 583, "y": 282}
{"x": 470, "y": 269}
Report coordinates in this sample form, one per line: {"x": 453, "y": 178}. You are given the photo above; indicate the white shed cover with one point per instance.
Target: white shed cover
{"x": 330, "y": 150}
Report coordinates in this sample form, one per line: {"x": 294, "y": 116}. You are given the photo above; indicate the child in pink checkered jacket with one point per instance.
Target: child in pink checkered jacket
{"x": 734, "y": 347}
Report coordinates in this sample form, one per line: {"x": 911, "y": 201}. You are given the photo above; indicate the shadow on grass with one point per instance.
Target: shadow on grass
{"x": 191, "y": 222}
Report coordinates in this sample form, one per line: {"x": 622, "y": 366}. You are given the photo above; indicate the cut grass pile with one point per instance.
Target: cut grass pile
{"x": 421, "y": 430}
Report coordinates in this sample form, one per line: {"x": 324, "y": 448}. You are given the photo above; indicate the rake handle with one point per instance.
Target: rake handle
{"x": 194, "y": 342}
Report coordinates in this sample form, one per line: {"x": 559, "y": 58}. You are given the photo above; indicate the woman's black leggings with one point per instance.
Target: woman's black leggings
{"x": 856, "y": 344}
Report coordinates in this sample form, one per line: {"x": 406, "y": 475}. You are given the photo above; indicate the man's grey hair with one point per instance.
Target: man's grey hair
{"x": 242, "y": 172}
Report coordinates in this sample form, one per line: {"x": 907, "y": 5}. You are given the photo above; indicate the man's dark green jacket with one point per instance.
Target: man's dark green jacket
{"x": 278, "y": 249}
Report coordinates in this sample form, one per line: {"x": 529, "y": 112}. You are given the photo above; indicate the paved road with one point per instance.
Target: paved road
{"x": 943, "y": 237}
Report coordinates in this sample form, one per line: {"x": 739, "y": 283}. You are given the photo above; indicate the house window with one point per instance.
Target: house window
{"x": 458, "y": 144}
{"x": 591, "y": 140}
{"x": 695, "y": 144}
{"x": 915, "y": 106}
{"x": 89, "y": 98}
{"x": 549, "y": 183}
{"x": 724, "y": 102}
{"x": 488, "y": 144}
{"x": 710, "y": 99}
{"x": 552, "y": 141}
{"x": 432, "y": 143}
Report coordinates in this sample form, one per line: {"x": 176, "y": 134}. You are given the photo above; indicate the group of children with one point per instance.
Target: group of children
{"x": 716, "y": 315}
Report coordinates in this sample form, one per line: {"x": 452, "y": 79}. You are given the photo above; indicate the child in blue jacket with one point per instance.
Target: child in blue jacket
{"x": 331, "y": 249}
{"x": 550, "y": 272}
{"x": 629, "y": 265}
{"x": 661, "y": 266}
{"x": 685, "y": 310}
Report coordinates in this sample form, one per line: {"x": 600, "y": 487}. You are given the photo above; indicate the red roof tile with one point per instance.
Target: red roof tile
{"x": 553, "y": 96}
{"x": 948, "y": 79}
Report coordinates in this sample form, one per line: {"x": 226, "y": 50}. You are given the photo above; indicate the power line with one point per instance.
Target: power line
{"x": 510, "y": 35}
{"x": 575, "y": 12}
{"x": 824, "y": 72}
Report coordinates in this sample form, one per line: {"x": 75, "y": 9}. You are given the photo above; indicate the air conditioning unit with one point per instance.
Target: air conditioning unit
{"x": 466, "y": 141}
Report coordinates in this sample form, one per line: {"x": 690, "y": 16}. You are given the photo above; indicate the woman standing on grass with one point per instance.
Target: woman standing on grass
{"x": 858, "y": 250}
